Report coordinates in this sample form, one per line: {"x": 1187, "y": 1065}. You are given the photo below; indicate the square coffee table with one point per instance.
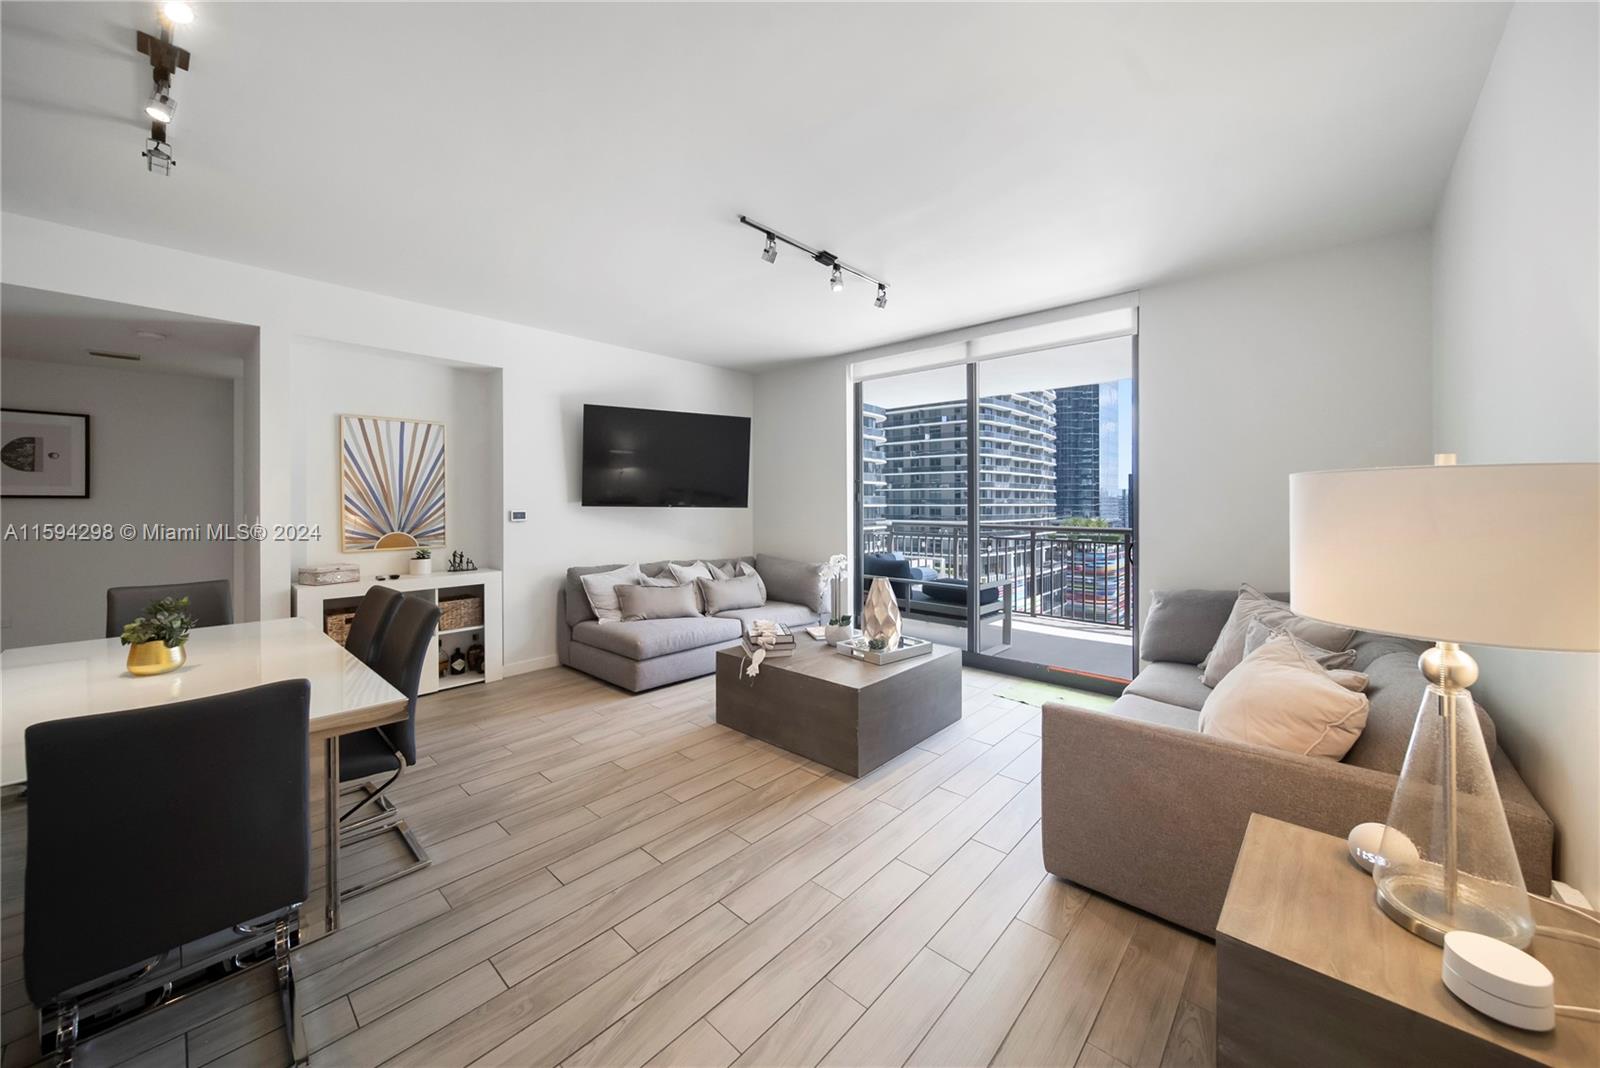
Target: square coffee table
{"x": 836, "y": 710}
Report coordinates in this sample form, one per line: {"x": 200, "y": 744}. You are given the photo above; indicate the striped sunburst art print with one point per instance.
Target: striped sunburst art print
{"x": 392, "y": 487}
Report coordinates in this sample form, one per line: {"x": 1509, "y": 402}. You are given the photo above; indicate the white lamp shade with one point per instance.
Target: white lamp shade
{"x": 1495, "y": 555}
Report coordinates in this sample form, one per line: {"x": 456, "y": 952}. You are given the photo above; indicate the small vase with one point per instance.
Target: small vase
{"x": 834, "y": 635}
{"x": 155, "y": 658}
{"x": 422, "y": 567}
{"x": 880, "y": 615}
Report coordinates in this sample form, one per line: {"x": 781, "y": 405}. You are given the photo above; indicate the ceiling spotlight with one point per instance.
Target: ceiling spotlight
{"x": 836, "y": 279}
{"x": 161, "y": 107}
{"x": 836, "y": 266}
{"x": 770, "y": 253}
{"x": 177, "y": 13}
{"x": 883, "y": 297}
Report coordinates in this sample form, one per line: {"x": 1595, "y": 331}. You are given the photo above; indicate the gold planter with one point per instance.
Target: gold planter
{"x": 154, "y": 658}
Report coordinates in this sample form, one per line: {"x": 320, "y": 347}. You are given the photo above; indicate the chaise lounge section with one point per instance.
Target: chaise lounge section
{"x": 1142, "y": 807}
{"x": 644, "y": 654}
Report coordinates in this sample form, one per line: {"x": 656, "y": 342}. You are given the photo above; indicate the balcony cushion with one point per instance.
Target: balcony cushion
{"x": 1175, "y": 684}
{"x": 793, "y": 615}
{"x": 645, "y": 639}
{"x": 953, "y": 592}
{"x": 889, "y": 565}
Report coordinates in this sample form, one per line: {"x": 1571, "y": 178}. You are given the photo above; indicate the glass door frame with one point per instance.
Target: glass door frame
{"x": 972, "y": 655}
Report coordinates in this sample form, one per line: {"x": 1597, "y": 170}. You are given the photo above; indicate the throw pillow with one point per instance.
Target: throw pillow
{"x": 794, "y": 582}
{"x": 1182, "y": 625}
{"x": 744, "y": 570}
{"x": 1253, "y": 604}
{"x": 1281, "y": 698}
{"x": 726, "y": 595}
{"x": 1258, "y": 634}
{"x": 656, "y": 602}
{"x": 720, "y": 573}
{"x": 687, "y": 573}
{"x": 600, "y": 588}
{"x": 1351, "y": 680}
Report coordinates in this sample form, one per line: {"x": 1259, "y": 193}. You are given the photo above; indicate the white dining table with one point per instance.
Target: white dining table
{"x": 49, "y": 682}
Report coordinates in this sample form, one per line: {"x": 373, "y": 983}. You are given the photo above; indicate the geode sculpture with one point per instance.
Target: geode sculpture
{"x": 880, "y": 615}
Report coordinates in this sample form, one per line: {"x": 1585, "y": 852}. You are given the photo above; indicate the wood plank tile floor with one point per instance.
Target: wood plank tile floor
{"x": 619, "y": 881}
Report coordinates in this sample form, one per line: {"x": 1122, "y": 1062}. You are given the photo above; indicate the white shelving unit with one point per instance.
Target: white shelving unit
{"x": 316, "y": 602}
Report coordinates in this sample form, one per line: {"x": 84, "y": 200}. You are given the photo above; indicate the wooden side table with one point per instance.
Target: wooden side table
{"x": 1309, "y": 972}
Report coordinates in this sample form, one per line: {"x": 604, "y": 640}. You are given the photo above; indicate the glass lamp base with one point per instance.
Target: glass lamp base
{"x": 1416, "y": 900}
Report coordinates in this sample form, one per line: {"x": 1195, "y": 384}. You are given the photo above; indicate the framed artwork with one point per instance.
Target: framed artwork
{"x": 392, "y": 483}
{"x": 43, "y": 454}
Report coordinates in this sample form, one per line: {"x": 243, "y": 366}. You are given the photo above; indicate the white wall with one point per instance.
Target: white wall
{"x": 801, "y": 484}
{"x": 545, "y": 379}
{"x": 161, "y": 450}
{"x": 1517, "y": 364}
{"x": 1247, "y": 376}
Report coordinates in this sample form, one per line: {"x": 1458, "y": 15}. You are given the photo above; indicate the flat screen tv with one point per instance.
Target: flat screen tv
{"x": 644, "y": 458}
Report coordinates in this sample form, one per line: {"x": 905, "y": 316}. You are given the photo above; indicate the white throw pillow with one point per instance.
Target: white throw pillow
{"x": 601, "y": 589}
{"x": 1280, "y": 697}
{"x": 746, "y": 571}
{"x": 686, "y": 574}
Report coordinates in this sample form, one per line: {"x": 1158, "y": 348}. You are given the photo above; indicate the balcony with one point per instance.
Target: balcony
{"x": 1071, "y": 589}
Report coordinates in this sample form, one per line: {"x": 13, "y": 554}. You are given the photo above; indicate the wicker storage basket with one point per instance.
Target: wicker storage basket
{"x": 336, "y": 623}
{"x": 462, "y": 610}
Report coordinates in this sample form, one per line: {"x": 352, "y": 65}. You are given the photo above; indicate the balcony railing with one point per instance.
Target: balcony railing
{"x": 1078, "y": 574}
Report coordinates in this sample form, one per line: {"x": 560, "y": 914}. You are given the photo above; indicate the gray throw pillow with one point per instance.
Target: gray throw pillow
{"x": 725, "y": 595}
{"x": 1258, "y": 634}
{"x": 656, "y": 602}
{"x": 793, "y": 581}
{"x": 1253, "y": 604}
{"x": 1182, "y": 625}
{"x": 687, "y": 573}
{"x": 601, "y": 589}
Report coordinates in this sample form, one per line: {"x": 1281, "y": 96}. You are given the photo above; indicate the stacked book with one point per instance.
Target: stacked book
{"x": 775, "y": 638}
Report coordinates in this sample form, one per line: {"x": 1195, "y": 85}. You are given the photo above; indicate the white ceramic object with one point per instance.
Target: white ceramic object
{"x": 880, "y": 615}
{"x": 422, "y": 567}
{"x": 1499, "y": 980}
{"x": 835, "y": 635}
{"x": 1364, "y": 840}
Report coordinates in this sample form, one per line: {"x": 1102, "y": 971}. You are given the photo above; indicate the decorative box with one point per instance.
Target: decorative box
{"x": 328, "y": 574}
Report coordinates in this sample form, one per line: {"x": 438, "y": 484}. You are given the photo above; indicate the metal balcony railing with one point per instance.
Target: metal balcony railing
{"x": 1077, "y": 574}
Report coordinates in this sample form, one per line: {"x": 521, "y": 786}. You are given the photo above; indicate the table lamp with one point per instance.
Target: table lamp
{"x": 1495, "y": 555}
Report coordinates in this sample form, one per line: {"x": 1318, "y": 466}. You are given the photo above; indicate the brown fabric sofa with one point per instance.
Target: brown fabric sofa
{"x": 1142, "y": 807}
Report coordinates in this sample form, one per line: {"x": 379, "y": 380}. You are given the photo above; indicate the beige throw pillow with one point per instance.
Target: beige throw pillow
{"x": 656, "y": 602}
{"x": 746, "y": 571}
{"x": 1280, "y": 697}
{"x": 1253, "y": 604}
{"x": 725, "y": 595}
{"x": 686, "y": 574}
{"x": 600, "y": 588}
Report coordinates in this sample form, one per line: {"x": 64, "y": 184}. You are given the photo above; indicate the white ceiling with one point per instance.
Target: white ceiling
{"x": 581, "y": 168}
{"x": 60, "y": 328}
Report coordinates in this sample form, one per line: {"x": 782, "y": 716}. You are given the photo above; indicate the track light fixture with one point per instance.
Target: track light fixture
{"x": 166, "y": 59}
{"x": 836, "y": 266}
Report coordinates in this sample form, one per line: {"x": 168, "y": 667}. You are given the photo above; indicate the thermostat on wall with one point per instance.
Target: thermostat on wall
{"x": 518, "y": 515}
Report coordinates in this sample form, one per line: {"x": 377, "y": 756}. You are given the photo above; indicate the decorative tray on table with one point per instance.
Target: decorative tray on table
{"x": 909, "y": 647}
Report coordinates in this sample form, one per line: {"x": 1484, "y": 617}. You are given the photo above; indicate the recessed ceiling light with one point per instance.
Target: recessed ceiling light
{"x": 178, "y": 13}
{"x": 151, "y": 334}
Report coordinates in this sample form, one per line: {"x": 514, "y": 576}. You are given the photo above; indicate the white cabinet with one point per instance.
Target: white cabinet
{"x": 318, "y": 603}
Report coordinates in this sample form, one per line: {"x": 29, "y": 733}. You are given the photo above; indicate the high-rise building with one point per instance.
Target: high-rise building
{"x": 873, "y": 484}
{"x": 925, "y": 464}
{"x": 1078, "y": 451}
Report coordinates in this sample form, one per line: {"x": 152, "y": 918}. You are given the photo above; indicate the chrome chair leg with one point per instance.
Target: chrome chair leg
{"x": 386, "y": 819}
{"x": 294, "y": 1025}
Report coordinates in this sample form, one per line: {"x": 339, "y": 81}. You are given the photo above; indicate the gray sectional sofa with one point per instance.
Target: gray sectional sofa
{"x": 1142, "y": 807}
{"x": 655, "y": 652}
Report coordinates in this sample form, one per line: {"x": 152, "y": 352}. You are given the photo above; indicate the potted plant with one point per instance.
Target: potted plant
{"x": 837, "y": 572}
{"x": 156, "y": 639}
{"x": 422, "y": 562}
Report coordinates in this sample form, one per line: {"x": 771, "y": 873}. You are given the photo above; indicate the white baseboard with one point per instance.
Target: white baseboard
{"x": 537, "y": 663}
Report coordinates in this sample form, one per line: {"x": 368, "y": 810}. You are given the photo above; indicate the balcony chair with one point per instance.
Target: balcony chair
{"x": 210, "y": 602}
{"x": 196, "y": 869}
{"x": 389, "y": 749}
{"x": 923, "y": 593}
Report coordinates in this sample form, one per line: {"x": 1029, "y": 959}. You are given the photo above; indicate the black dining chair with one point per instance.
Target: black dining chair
{"x": 371, "y": 623}
{"x": 391, "y": 748}
{"x": 197, "y": 868}
{"x": 210, "y": 602}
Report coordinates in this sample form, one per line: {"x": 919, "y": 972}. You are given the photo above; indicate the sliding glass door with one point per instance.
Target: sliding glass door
{"x": 999, "y": 498}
